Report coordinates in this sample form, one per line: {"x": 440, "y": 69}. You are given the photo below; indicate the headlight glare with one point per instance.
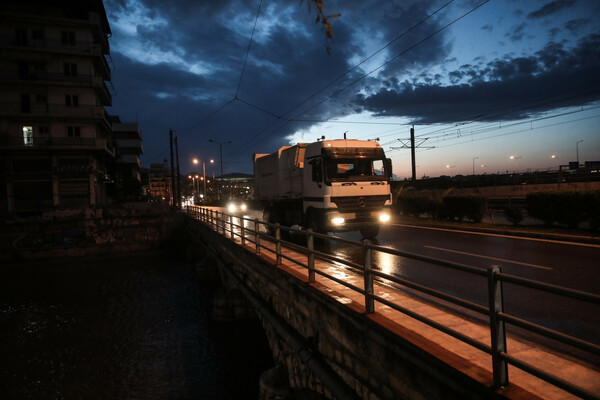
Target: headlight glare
{"x": 384, "y": 217}
{"x": 338, "y": 221}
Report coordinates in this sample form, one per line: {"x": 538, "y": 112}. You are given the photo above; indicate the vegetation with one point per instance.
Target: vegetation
{"x": 569, "y": 207}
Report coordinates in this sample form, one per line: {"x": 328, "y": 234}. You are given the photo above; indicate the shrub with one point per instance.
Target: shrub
{"x": 418, "y": 203}
{"x": 541, "y": 205}
{"x": 459, "y": 207}
{"x": 514, "y": 214}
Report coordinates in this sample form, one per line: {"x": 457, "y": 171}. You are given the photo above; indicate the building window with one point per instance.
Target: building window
{"x": 72, "y": 100}
{"x": 41, "y": 98}
{"x": 70, "y": 69}
{"x": 28, "y": 135}
{"x": 21, "y": 37}
{"x": 73, "y": 131}
{"x": 68, "y": 38}
{"x": 37, "y": 34}
{"x": 25, "y": 104}
{"x": 43, "y": 130}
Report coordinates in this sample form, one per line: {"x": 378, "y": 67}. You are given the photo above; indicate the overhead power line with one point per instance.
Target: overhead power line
{"x": 340, "y": 77}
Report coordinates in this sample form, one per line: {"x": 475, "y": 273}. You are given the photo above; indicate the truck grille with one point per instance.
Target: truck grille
{"x": 359, "y": 203}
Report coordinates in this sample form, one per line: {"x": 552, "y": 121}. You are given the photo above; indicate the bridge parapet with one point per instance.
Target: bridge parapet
{"x": 350, "y": 325}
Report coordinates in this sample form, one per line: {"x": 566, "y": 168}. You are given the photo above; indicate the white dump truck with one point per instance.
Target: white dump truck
{"x": 329, "y": 186}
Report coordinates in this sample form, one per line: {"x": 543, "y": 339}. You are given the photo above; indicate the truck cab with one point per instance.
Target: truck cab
{"x": 346, "y": 186}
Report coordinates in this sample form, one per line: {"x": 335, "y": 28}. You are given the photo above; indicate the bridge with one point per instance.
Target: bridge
{"x": 350, "y": 330}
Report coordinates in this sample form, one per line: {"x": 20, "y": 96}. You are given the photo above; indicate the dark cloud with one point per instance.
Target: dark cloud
{"x": 550, "y": 8}
{"x": 185, "y": 73}
{"x": 505, "y": 89}
{"x": 575, "y": 25}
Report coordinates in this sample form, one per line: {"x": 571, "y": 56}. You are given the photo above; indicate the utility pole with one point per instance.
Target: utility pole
{"x": 412, "y": 153}
{"x": 172, "y": 168}
{"x": 221, "y": 155}
{"x": 412, "y": 147}
{"x": 178, "y": 178}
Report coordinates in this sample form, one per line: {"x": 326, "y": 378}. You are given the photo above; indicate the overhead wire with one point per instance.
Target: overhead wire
{"x": 422, "y": 21}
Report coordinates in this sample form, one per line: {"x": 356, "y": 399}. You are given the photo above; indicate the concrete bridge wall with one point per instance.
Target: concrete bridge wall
{"x": 368, "y": 356}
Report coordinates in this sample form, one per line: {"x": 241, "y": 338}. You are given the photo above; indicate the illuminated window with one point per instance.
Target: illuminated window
{"x": 28, "y": 135}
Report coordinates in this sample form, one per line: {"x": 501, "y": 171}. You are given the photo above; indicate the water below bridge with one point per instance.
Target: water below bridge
{"x": 121, "y": 328}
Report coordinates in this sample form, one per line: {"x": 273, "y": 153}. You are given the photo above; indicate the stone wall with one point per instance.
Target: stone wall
{"x": 87, "y": 234}
{"x": 372, "y": 357}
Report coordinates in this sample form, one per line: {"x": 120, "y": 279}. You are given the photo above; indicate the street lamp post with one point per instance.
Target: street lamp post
{"x": 516, "y": 158}
{"x": 195, "y": 161}
{"x": 474, "y": 158}
{"x": 221, "y": 155}
{"x": 577, "y": 151}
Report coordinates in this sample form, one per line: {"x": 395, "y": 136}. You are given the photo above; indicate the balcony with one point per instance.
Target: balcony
{"x": 56, "y": 144}
{"x": 32, "y": 110}
{"x": 95, "y": 81}
{"x": 135, "y": 144}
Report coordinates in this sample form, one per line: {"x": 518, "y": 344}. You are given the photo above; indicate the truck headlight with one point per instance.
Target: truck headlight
{"x": 243, "y": 207}
{"x": 231, "y": 207}
{"x": 384, "y": 217}
{"x": 338, "y": 221}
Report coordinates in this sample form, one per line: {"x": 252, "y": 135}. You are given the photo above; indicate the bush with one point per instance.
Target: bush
{"x": 514, "y": 214}
{"x": 568, "y": 208}
{"x": 541, "y": 205}
{"x": 459, "y": 207}
{"x": 418, "y": 203}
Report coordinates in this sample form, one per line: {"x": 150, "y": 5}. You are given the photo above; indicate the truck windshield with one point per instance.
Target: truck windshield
{"x": 354, "y": 169}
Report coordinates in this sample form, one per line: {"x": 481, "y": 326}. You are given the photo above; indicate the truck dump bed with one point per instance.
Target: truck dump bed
{"x": 279, "y": 175}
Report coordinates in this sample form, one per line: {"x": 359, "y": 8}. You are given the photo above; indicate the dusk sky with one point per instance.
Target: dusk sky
{"x": 480, "y": 80}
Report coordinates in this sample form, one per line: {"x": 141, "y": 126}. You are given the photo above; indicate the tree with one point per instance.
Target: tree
{"x": 325, "y": 20}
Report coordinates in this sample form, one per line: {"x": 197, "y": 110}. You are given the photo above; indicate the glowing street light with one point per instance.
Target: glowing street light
{"x": 516, "y": 158}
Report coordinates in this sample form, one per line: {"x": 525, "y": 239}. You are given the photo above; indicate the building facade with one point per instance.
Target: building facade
{"x": 160, "y": 182}
{"x": 127, "y": 138}
{"x": 55, "y": 135}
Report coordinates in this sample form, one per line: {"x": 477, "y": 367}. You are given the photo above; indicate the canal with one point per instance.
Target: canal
{"x": 122, "y": 327}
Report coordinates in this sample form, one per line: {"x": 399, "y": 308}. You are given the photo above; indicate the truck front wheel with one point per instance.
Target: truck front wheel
{"x": 369, "y": 232}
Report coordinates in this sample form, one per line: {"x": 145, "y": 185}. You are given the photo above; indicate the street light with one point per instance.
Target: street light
{"x": 516, "y": 158}
{"x": 577, "y": 150}
{"x": 195, "y": 161}
{"x": 221, "y": 155}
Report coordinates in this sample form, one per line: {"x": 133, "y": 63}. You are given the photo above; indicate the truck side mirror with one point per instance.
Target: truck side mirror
{"x": 388, "y": 167}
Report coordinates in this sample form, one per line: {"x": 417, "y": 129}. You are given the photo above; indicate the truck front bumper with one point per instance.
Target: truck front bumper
{"x": 340, "y": 222}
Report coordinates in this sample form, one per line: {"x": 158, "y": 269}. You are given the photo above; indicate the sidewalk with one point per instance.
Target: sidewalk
{"x": 454, "y": 352}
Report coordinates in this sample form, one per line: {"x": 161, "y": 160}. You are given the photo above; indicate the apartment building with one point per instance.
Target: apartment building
{"x": 55, "y": 135}
{"x": 159, "y": 179}
{"x": 127, "y": 139}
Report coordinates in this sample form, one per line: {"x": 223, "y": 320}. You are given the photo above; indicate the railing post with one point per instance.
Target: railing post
{"x": 211, "y": 219}
{"x": 369, "y": 301}
{"x": 497, "y": 328}
{"x": 278, "y": 244}
{"x": 256, "y": 235}
{"x": 231, "y": 226}
{"x": 310, "y": 247}
{"x": 243, "y": 230}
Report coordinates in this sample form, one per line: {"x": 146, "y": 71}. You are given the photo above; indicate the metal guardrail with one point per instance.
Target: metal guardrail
{"x": 223, "y": 223}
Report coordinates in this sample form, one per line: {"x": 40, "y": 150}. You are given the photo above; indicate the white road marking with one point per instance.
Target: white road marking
{"x": 499, "y": 235}
{"x": 489, "y": 258}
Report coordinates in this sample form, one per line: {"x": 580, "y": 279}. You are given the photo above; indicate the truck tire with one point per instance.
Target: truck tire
{"x": 369, "y": 232}
{"x": 268, "y": 217}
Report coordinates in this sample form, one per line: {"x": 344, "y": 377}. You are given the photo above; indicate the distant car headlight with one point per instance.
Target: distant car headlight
{"x": 384, "y": 217}
{"x": 338, "y": 221}
{"x": 243, "y": 207}
{"x": 231, "y": 207}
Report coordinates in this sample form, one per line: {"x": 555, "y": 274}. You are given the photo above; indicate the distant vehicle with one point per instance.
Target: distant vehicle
{"x": 236, "y": 207}
{"x": 328, "y": 186}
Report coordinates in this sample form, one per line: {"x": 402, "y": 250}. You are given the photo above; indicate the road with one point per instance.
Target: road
{"x": 571, "y": 265}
